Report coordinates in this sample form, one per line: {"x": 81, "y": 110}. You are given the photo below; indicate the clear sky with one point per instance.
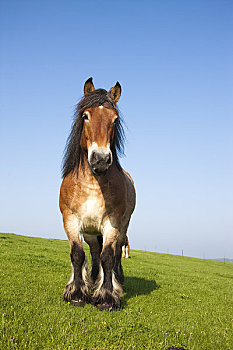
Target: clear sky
{"x": 174, "y": 60}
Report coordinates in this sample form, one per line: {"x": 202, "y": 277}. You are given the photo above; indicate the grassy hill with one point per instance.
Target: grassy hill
{"x": 169, "y": 301}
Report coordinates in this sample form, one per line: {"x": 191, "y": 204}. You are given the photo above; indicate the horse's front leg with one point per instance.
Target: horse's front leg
{"x": 76, "y": 291}
{"x": 108, "y": 289}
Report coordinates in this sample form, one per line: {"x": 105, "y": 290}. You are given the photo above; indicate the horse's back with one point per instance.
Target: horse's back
{"x": 131, "y": 193}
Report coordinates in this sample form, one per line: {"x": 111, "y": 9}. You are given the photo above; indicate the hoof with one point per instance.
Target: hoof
{"x": 79, "y": 303}
{"x": 106, "y": 300}
{"x": 104, "y": 307}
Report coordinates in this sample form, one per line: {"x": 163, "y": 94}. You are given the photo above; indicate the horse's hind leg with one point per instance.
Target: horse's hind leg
{"x": 76, "y": 290}
{"x": 118, "y": 267}
{"x": 95, "y": 243}
{"x": 124, "y": 252}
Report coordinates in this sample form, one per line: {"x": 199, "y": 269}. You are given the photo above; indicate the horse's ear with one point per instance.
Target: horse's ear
{"x": 115, "y": 92}
{"x": 88, "y": 86}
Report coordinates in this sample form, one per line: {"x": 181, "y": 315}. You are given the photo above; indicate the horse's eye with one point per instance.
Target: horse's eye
{"x": 85, "y": 116}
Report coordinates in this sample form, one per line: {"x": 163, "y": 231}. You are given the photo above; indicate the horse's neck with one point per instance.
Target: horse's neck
{"x": 85, "y": 174}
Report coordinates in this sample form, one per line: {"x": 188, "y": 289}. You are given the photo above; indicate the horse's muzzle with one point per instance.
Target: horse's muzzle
{"x": 100, "y": 161}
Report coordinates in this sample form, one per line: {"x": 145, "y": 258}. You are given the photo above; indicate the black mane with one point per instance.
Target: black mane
{"x": 73, "y": 154}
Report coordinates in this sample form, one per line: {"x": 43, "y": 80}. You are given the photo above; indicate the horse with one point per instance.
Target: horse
{"x": 97, "y": 199}
{"x": 126, "y": 248}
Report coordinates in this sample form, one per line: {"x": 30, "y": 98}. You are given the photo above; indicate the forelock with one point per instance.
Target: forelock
{"x": 96, "y": 98}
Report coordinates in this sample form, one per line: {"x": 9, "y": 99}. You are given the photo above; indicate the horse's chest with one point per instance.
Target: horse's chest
{"x": 91, "y": 214}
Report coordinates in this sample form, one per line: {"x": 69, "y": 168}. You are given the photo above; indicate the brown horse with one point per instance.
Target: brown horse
{"x": 97, "y": 198}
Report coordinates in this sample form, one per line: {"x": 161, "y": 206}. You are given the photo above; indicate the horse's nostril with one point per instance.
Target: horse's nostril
{"x": 109, "y": 159}
{"x": 94, "y": 157}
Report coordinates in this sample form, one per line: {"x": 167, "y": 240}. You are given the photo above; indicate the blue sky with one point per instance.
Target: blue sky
{"x": 174, "y": 62}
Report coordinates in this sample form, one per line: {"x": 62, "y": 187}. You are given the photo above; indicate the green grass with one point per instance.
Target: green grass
{"x": 168, "y": 301}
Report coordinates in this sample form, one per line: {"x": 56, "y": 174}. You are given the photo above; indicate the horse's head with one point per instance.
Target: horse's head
{"x": 96, "y": 133}
{"x": 99, "y": 123}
